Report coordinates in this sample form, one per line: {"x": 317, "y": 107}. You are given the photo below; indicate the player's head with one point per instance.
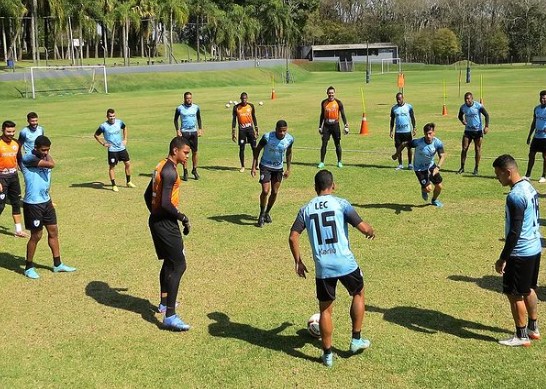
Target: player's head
{"x": 542, "y": 97}
{"x": 179, "y": 149}
{"x": 429, "y": 130}
{"x": 244, "y": 97}
{"x": 399, "y": 98}
{"x": 324, "y": 179}
{"x": 506, "y": 170}
{"x": 111, "y": 115}
{"x": 281, "y": 128}
{"x": 331, "y": 92}
{"x": 42, "y": 144}
{"x": 468, "y": 98}
{"x": 8, "y": 130}
{"x": 187, "y": 98}
{"x": 32, "y": 119}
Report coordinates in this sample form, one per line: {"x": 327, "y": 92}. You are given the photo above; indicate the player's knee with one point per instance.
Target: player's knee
{"x": 35, "y": 235}
{"x": 428, "y": 188}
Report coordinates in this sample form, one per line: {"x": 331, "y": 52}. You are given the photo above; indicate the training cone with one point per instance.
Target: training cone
{"x": 273, "y": 94}
{"x": 364, "y": 125}
{"x": 444, "y": 110}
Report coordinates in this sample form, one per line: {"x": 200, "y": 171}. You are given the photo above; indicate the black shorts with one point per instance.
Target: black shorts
{"x": 520, "y": 275}
{"x": 37, "y": 216}
{"x": 538, "y": 145}
{"x": 192, "y": 138}
{"x": 425, "y": 177}
{"x": 331, "y": 129}
{"x": 473, "y": 135}
{"x": 115, "y": 156}
{"x": 270, "y": 175}
{"x": 326, "y": 287}
{"x": 167, "y": 239}
{"x": 401, "y": 137}
{"x": 247, "y": 135}
{"x": 11, "y": 189}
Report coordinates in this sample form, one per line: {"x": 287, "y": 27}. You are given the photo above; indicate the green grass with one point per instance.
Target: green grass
{"x": 434, "y": 307}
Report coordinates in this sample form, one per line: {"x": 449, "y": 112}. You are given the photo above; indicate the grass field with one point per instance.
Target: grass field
{"x": 434, "y": 307}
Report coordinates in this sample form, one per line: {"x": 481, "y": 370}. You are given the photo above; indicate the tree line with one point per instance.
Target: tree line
{"x": 429, "y": 31}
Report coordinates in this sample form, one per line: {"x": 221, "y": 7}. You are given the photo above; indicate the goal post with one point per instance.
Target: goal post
{"x": 391, "y": 65}
{"x": 67, "y": 80}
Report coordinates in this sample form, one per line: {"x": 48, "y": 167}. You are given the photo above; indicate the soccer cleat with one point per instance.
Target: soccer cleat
{"x": 267, "y": 218}
{"x": 195, "y": 174}
{"x": 115, "y": 188}
{"x": 32, "y": 274}
{"x": 185, "y": 175}
{"x": 437, "y": 203}
{"x": 359, "y": 345}
{"x": 399, "y": 167}
{"x": 514, "y": 341}
{"x": 542, "y": 180}
{"x": 20, "y": 234}
{"x": 460, "y": 171}
{"x": 424, "y": 195}
{"x": 475, "y": 172}
{"x": 410, "y": 166}
{"x": 131, "y": 185}
{"x": 321, "y": 165}
{"x": 339, "y": 164}
{"x": 261, "y": 220}
{"x": 62, "y": 268}
{"x": 328, "y": 359}
{"x": 534, "y": 335}
{"x": 174, "y": 323}
{"x": 242, "y": 169}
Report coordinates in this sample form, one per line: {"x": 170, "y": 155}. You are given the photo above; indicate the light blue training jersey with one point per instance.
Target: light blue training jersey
{"x": 188, "y": 115}
{"x": 27, "y": 136}
{"x": 472, "y": 116}
{"x": 402, "y": 118}
{"x": 523, "y": 198}
{"x": 113, "y": 134}
{"x": 273, "y": 155}
{"x": 425, "y": 152}
{"x": 37, "y": 180}
{"x": 540, "y": 121}
{"x": 326, "y": 219}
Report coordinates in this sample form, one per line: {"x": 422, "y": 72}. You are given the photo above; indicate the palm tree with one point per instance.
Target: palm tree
{"x": 173, "y": 12}
{"x": 125, "y": 13}
{"x": 14, "y": 11}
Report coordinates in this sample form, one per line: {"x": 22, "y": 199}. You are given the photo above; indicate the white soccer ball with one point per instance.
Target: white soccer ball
{"x": 313, "y": 325}
{"x": 261, "y": 103}
{"x": 228, "y": 105}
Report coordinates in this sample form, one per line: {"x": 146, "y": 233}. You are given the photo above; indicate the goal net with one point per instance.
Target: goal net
{"x": 66, "y": 80}
{"x": 391, "y": 65}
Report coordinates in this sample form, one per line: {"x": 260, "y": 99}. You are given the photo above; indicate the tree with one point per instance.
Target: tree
{"x": 445, "y": 45}
{"x": 172, "y": 12}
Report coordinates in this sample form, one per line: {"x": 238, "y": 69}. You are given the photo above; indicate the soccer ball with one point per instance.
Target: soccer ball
{"x": 313, "y": 325}
{"x": 261, "y": 103}
{"x": 228, "y": 105}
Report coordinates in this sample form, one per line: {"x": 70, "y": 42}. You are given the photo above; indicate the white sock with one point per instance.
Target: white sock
{"x": 18, "y": 227}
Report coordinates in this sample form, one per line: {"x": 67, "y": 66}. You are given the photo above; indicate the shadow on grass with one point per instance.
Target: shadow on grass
{"x": 104, "y": 294}
{"x": 221, "y": 168}
{"x": 223, "y": 327}
{"x": 494, "y": 283}
{"x": 241, "y": 219}
{"x": 430, "y": 322}
{"x": 6, "y": 231}
{"x": 92, "y": 185}
{"x": 332, "y": 165}
{"x": 397, "y": 208}
{"x": 16, "y": 263}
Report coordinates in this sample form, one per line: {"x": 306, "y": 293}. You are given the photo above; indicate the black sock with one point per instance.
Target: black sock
{"x": 128, "y": 178}
{"x": 532, "y": 324}
{"x": 28, "y": 265}
{"x": 356, "y": 335}
{"x": 56, "y": 261}
{"x": 521, "y": 332}
{"x": 327, "y": 350}
{"x": 261, "y": 210}
{"x": 163, "y": 301}
{"x": 170, "y": 312}
{"x": 268, "y": 209}
{"x": 113, "y": 182}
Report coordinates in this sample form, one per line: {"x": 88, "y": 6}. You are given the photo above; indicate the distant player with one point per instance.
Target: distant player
{"x": 28, "y": 135}
{"x": 275, "y": 145}
{"x": 38, "y": 207}
{"x": 190, "y": 128}
{"x": 331, "y": 110}
{"x": 402, "y": 127}
{"x": 538, "y": 145}
{"x": 326, "y": 219}
{"x": 114, "y": 132}
{"x": 426, "y": 170}
{"x": 10, "y": 187}
{"x": 470, "y": 116}
{"x": 162, "y": 197}
{"x": 244, "y": 114}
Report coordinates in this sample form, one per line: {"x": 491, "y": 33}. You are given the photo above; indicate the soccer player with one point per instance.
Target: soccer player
{"x": 326, "y": 218}
{"x": 426, "y": 170}
{"x": 402, "y": 127}
{"x": 28, "y": 135}
{"x": 114, "y": 132}
{"x": 244, "y": 114}
{"x": 519, "y": 260}
{"x": 162, "y": 199}
{"x": 275, "y": 145}
{"x": 538, "y": 125}
{"x": 470, "y": 115}
{"x": 330, "y": 111}
{"x": 191, "y": 128}
{"x": 38, "y": 207}
{"x": 10, "y": 187}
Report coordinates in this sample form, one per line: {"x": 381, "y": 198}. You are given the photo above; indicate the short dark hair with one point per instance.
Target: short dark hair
{"x": 542, "y": 93}
{"x": 468, "y": 94}
{"x": 41, "y": 141}
{"x": 177, "y": 143}
{"x": 505, "y": 161}
{"x": 8, "y": 123}
{"x": 330, "y": 88}
{"x": 244, "y": 94}
{"x": 399, "y": 94}
{"x": 110, "y": 110}
{"x": 428, "y": 127}
{"x": 281, "y": 123}
{"x": 187, "y": 94}
{"x": 324, "y": 179}
{"x": 32, "y": 115}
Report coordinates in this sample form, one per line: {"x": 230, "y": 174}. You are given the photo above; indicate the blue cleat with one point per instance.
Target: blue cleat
{"x": 437, "y": 203}
{"x": 328, "y": 359}
{"x": 359, "y": 345}
{"x": 174, "y": 323}
{"x": 320, "y": 165}
{"x": 424, "y": 195}
{"x": 63, "y": 268}
{"x": 339, "y": 164}
{"x": 32, "y": 274}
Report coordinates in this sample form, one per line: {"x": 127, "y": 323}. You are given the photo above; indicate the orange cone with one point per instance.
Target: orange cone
{"x": 273, "y": 94}
{"x": 444, "y": 110}
{"x": 364, "y": 125}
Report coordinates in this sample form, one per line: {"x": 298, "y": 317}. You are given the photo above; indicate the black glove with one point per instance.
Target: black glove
{"x": 186, "y": 223}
